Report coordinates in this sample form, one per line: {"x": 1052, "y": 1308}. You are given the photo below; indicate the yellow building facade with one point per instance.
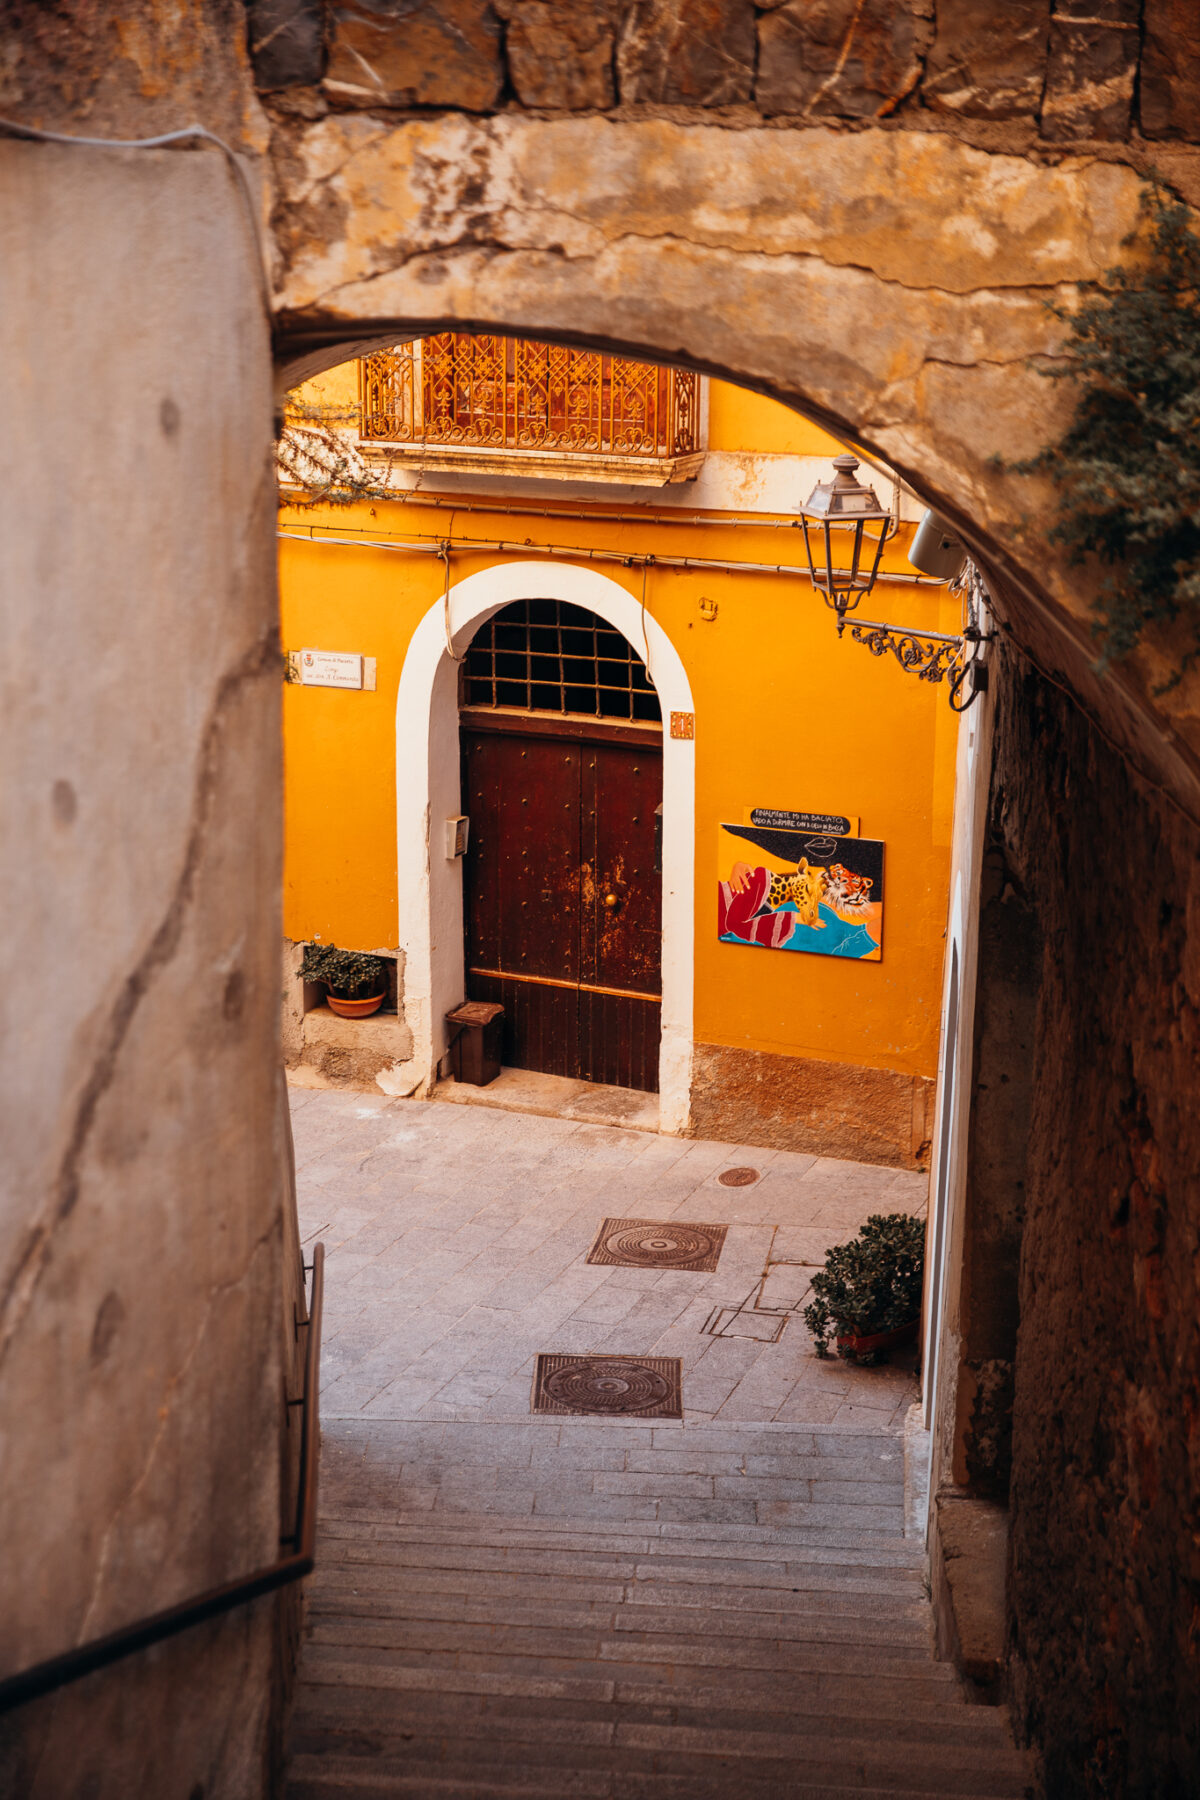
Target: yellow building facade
{"x": 694, "y": 560}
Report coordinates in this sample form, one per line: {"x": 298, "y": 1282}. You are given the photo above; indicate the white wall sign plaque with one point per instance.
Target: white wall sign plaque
{"x": 331, "y": 668}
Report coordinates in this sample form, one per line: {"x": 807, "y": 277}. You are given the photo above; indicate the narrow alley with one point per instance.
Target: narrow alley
{"x": 720, "y": 1606}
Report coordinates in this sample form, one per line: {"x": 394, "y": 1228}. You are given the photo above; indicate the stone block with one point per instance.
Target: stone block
{"x": 286, "y": 39}
{"x": 850, "y": 58}
{"x": 560, "y": 54}
{"x": 797, "y": 1103}
{"x": 354, "y": 1050}
{"x": 687, "y": 53}
{"x": 968, "y": 1557}
{"x": 1091, "y": 69}
{"x": 1169, "y": 90}
{"x": 988, "y": 62}
{"x": 415, "y": 53}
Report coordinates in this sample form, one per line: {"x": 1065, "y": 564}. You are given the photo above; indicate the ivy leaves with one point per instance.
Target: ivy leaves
{"x": 1128, "y": 469}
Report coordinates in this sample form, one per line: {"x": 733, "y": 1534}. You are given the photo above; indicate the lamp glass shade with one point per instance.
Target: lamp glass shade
{"x": 844, "y": 502}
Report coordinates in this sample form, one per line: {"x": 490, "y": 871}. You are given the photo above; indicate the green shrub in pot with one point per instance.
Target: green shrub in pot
{"x": 350, "y": 974}
{"x": 870, "y": 1285}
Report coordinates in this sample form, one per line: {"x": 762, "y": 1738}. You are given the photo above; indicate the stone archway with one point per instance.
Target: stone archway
{"x": 883, "y": 277}
{"x": 891, "y": 285}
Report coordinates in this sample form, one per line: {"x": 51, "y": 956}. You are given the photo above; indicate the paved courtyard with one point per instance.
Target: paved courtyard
{"x": 457, "y": 1238}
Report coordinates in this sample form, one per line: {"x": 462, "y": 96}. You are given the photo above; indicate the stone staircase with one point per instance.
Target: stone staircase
{"x": 537, "y": 1655}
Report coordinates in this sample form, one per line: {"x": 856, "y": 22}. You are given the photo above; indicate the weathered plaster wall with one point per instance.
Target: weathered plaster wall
{"x": 1105, "y": 1494}
{"x": 143, "y": 1217}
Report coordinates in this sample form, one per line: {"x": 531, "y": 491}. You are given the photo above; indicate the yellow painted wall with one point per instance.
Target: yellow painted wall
{"x": 786, "y": 716}
{"x": 738, "y": 420}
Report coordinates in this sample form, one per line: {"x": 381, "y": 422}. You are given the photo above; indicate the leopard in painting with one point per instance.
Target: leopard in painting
{"x": 805, "y": 889}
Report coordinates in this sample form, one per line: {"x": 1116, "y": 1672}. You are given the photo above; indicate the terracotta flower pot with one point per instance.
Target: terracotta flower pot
{"x": 355, "y": 1009}
{"x": 878, "y": 1340}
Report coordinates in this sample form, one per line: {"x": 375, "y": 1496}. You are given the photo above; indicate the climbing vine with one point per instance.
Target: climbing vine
{"x": 1128, "y": 469}
{"x": 317, "y": 462}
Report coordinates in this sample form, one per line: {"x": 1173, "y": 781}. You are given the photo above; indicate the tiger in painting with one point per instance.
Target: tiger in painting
{"x": 846, "y": 893}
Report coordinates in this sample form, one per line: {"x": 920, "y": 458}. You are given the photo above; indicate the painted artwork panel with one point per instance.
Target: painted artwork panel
{"x": 816, "y": 894}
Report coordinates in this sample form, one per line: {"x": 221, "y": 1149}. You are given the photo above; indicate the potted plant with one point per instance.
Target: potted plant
{"x": 868, "y": 1295}
{"x": 355, "y": 983}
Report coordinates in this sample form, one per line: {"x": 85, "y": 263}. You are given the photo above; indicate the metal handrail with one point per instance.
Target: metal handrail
{"x": 57, "y": 1671}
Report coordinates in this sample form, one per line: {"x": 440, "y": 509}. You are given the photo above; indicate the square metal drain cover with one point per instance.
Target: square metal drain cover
{"x": 646, "y": 1387}
{"x": 648, "y": 1244}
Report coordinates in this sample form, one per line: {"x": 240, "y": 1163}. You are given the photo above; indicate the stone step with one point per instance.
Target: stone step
{"x": 731, "y": 1700}
{"x": 331, "y": 1600}
{"x": 648, "y": 1661}
{"x": 547, "y": 1502}
{"x": 640, "y": 1560}
{"x": 869, "y": 1547}
{"x": 407, "y": 1777}
{"x": 595, "y": 1747}
{"x": 351, "y": 1721}
{"x": 447, "y": 1628}
{"x": 692, "y": 1695}
{"x": 685, "y": 1610}
{"x": 727, "y": 1582}
{"x": 484, "y": 1437}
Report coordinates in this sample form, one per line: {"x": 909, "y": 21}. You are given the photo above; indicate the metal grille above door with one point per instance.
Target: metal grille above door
{"x": 549, "y": 656}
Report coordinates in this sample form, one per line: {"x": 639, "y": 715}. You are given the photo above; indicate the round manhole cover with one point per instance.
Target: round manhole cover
{"x": 737, "y": 1177}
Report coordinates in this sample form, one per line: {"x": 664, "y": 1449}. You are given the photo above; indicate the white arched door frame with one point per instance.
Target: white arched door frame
{"x": 429, "y": 883}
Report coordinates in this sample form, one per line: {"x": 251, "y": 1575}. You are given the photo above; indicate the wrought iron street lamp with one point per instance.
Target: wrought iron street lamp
{"x": 843, "y": 502}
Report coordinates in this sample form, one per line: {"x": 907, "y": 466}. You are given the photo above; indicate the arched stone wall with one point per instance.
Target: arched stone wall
{"x": 891, "y": 285}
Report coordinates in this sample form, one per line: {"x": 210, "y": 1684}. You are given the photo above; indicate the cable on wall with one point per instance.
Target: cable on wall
{"x": 187, "y": 134}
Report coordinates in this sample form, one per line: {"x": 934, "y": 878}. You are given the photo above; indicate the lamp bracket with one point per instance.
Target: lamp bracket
{"x": 935, "y": 656}
{"x": 929, "y": 655}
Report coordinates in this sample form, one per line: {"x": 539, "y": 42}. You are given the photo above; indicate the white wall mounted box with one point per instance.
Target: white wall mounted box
{"x": 457, "y": 830}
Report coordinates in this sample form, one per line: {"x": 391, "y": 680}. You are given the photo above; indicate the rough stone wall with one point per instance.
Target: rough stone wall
{"x": 129, "y": 70}
{"x": 1105, "y": 1564}
{"x": 1104, "y": 71}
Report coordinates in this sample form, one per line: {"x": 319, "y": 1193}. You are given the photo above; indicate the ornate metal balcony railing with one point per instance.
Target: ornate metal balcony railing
{"x": 500, "y": 404}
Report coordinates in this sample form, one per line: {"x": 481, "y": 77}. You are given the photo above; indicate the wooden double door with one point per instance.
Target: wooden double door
{"x": 562, "y": 892}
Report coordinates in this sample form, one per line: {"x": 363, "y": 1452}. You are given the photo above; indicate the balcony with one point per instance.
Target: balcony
{"x": 513, "y": 406}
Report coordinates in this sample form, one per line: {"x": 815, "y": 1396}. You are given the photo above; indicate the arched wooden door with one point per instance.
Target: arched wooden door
{"x": 562, "y": 782}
